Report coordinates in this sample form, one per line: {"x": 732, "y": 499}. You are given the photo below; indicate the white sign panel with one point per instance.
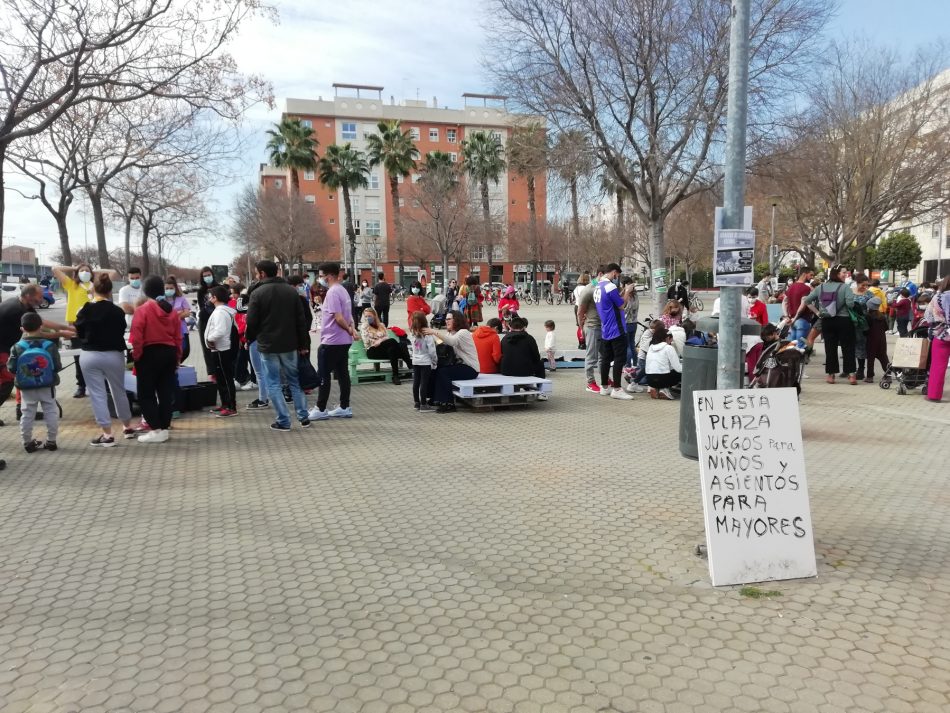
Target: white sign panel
{"x": 755, "y": 495}
{"x": 735, "y": 258}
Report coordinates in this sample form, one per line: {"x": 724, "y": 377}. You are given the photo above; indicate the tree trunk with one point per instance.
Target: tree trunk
{"x": 63, "y": 231}
{"x": 575, "y": 210}
{"x": 445, "y": 275}
{"x": 95, "y": 200}
{"x": 621, "y": 218}
{"x": 128, "y": 241}
{"x": 860, "y": 259}
{"x": 486, "y": 217}
{"x": 656, "y": 258}
{"x": 3, "y": 201}
{"x": 158, "y": 247}
{"x": 350, "y": 232}
{"x": 533, "y": 224}
{"x": 294, "y": 183}
{"x": 397, "y": 223}
{"x": 146, "y": 267}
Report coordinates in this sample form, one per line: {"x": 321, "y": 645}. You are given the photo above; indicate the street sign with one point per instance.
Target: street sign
{"x": 660, "y": 279}
{"x": 735, "y": 258}
{"x": 755, "y": 495}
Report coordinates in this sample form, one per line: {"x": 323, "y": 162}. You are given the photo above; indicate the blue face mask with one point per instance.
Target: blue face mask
{"x": 371, "y": 320}
{"x": 170, "y": 294}
{"x": 135, "y": 282}
{"x": 323, "y": 282}
{"x": 301, "y": 290}
{"x": 208, "y": 279}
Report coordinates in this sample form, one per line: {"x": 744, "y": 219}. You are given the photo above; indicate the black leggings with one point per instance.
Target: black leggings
{"x": 614, "y": 350}
{"x": 224, "y": 378}
{"x": 392, "y": 350}
{"x": 664, "y": 381}
{"x": 420, "y": 383}
{"x": 155, "y": 384}
{"x": 838, "y": 331}
{"x": 333, "y": 360}
{"x": 383, "y": 312}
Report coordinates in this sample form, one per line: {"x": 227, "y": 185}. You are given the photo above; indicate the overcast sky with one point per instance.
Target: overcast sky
{"x": 414, "y": 48}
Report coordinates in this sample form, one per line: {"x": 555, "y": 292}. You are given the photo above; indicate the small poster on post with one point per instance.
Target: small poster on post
{"x": 755, "y": 494}
{"x": 735, "y": 258}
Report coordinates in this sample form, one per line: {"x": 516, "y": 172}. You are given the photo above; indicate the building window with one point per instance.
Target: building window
{"x": 332, "y": 221}
{"x": 402, "y": 202}
{"x": 433, "y": 134}
{"x": 415, "y": 203}
{"x": 372, "y": 228}
{"x": 309, "y": 199}
{"x": 450, "y": 135}
{"x": 453, "y": 157}
{"x": 414, "y": 133}
{"x": 309, "y": 175}
{"x": 349, "y": 130}
{"x": 400, "y": 179}
{"x": 935, "y": 230}
{"x": 306, "y": 123}
{"x": 496, "y": 135}
{"x": 279, "y": 183}
{"x": 356, "y": 226}
{"x": 332, "y": 196}
{"x": 373, "y": 181}
{"x": 415, "y": 178}
{"x": 355, "y": 202}
{"x": 372, "y": 204}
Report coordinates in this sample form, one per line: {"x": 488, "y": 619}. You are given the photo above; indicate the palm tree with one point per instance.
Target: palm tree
{"x": 438, "y": 161}
{"x": 573, "y": 159}
{"x": 293, "y": 147}
{"x": 610, "y": 186}
{"x": 484, "y": 161}
{"x": 527, "y": 156}
{"x": 344, "y": 168}
{"x": 393, "y": 149}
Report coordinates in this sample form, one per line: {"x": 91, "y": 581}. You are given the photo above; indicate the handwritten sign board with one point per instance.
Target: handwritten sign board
{"x": 911, "y": 353}
{"x": 755, "y": 495}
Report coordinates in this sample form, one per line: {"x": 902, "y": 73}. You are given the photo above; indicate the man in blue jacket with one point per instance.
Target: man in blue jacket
{"x": 613, "y": 333}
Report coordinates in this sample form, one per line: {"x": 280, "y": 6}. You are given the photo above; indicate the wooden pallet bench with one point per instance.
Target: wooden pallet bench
{"x": 490, "y": 391}
{"x": 357, "y": 358}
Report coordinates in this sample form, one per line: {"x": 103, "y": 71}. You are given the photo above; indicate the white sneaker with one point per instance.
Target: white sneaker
{"x": 606, "y": 390}
{"x": 666, "y": 394}
{"x": 634, "y": 388}
{"x": 317, "y": 415}
{"x": 621, "y": 395}
{"x": 156, "y": 436}
{"x": 542, "y": 397}
{"x": 249, "y": 386}
{"x": 340, "y": 412}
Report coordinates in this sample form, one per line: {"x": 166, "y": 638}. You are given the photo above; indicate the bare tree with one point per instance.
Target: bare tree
{"x": 869, "y": 155}
{"x": 646, "y": 81}
{"x": 690, "y": 232}
{"x": 277, "y": 224}
{"x": 58, "y": 54}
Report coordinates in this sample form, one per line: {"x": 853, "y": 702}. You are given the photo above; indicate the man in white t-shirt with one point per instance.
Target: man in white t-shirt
{"x": 130, "y": 294}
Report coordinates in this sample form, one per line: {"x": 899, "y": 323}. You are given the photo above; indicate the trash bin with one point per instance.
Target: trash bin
{"x": 699, "y": 374}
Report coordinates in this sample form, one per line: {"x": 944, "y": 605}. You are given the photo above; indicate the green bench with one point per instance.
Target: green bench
{"x": 358, "y": 358}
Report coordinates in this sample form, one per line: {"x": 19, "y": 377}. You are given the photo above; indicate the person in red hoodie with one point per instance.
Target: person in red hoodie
{"x": 508, "y": 307}
{"x": 156, "y": 350}
{"x": 416, "y": 302}
{"x": 757, "y": 309}
{"x": 488, "y": 346}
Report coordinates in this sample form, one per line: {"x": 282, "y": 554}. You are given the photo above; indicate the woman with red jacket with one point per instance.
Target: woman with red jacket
{"x": 508, "y": 307}
{"x": 156, "y": 350}
{"x": 416, "y": 302}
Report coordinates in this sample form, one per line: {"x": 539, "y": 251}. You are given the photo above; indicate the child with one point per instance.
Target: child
{"x": 34, "y": 362}
{"x": 757, "y": 309}
{"x": 549, "y": 344}
{"x": 663, "y": 366}
{"x": 218, "y": 338}
{"x": 424, "y": 360}
{"x": 877, "y": 337}
{"x": 640, "y": 378}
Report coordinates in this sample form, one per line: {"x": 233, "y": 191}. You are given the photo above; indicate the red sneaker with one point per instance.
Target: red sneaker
{"x": 225, "y": 413}
{"x": 593, "y": 387}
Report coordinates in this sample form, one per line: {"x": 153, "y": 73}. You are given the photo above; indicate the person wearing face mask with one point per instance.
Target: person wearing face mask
{"x": 379, "y": 345}
{"x": 757, "y": 309}
{"x": 366, "y": 296}
{"x": 416, "y": 301}
{"x": 77, "y": 283}
{"x": 130, "y": 294}
{"x": 11, "y": 312}
{"x": 206, "y": 283}
{"x": 180, "y": 304}
{"x": 680, "y": 292}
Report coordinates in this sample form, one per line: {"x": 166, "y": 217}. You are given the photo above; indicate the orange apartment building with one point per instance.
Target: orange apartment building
{"x": 351, "y": 118}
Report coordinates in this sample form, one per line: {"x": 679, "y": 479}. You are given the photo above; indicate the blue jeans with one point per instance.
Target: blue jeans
{"x": 258, "y": 371}
{"x": 800, "y": 329}
{"x": 632, "y": 344}
{"x": 273, "y": 365}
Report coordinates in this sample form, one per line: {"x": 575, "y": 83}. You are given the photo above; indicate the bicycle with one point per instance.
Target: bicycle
{"x": 549, "y": 298}
{"x": 695, "y": 302}
{"x": 398, "y": 293}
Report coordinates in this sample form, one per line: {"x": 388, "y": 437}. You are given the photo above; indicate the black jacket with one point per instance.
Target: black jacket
{"x": 520, "y": 356}
{"x": 276, "y": 318}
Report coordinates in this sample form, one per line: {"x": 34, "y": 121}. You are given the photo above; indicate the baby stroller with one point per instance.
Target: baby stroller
{"x": 780, "y": 365}
{"x": 907, "y": 378}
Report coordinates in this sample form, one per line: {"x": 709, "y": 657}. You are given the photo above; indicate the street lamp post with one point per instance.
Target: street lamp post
{"x": 773, "y": 266}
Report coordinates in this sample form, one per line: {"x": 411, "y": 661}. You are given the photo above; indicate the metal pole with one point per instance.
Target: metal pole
{"x": 730, "y": 319}
{"x": 772, "y": 265}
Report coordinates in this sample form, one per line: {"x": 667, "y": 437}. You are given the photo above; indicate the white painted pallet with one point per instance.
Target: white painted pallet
{"x": 495, "y": 385}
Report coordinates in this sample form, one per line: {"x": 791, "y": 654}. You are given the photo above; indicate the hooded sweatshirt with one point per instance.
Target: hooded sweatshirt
{"x": 488, "y": 346}
{"x": 219, "y": 326}
{"x": 520, "y": 355}
{"x": 662, "y": 359}
{"x": 154, "y": 323}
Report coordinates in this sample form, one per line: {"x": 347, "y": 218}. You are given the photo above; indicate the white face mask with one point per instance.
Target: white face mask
{"x": 415, "y": 290}
{"x": 85, "y": 276}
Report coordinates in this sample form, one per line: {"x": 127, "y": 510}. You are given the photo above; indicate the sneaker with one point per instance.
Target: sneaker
{"x": 216, "y": 410}
{"x": 176, "y": 415}
{"x": 634, "y": 389}
{"x": 593, "y": 388}
{"x": 542, "y": 397}
{"x": 128, "y": 433}
{"x": 79, "y": 393}
{"x": 416, "y": 406}
{"x": 305, "y": 423}
{"x": 50, "y": 446}
{"x": 605, "y": 390}
{"x": 665, "y": 395}
{"x": 32, "y": 446}
{"x": 225, "y": 413}
{"x": 249, "y": 386}
{"x": 156, "y": 436}
{"x": 257, "y": 404}
{"x": 425, "y": 408}
{"x": 340, "y": 412}
{"x": 621, "y": 395}
{"x": 142, "y": 428}
{"x": 104, "y": 441}
{"x": 317, "y": 415}
{"x": 277, "y": 427}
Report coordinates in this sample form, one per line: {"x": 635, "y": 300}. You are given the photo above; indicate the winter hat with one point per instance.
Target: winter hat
{"x": 874, "y": 304}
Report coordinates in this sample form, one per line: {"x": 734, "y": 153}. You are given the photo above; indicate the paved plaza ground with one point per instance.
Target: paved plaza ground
{"x": 533, "y": 560}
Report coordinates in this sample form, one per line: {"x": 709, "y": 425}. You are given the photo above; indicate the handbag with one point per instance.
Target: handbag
{"x": 306, "y": 374}
{"x": 446, "y": 355}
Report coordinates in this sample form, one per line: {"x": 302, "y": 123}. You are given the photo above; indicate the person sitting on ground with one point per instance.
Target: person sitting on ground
{"x": 672, "y": 314}
{"x": 488, "y": 346}
{"x": 416, "y": 301}
{"x": 379, "y": 345}
{"x": 457, "y": 336}
{"x": 519, "y": 352}
{"x": 640, "y": 375}
{"x": 663, "y": 366}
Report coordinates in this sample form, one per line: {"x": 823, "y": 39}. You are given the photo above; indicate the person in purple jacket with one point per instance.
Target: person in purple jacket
{"x": 613, "y": 333}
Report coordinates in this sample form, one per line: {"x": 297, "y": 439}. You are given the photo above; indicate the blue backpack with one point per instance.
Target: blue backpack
{"x": 34, "y": 366}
